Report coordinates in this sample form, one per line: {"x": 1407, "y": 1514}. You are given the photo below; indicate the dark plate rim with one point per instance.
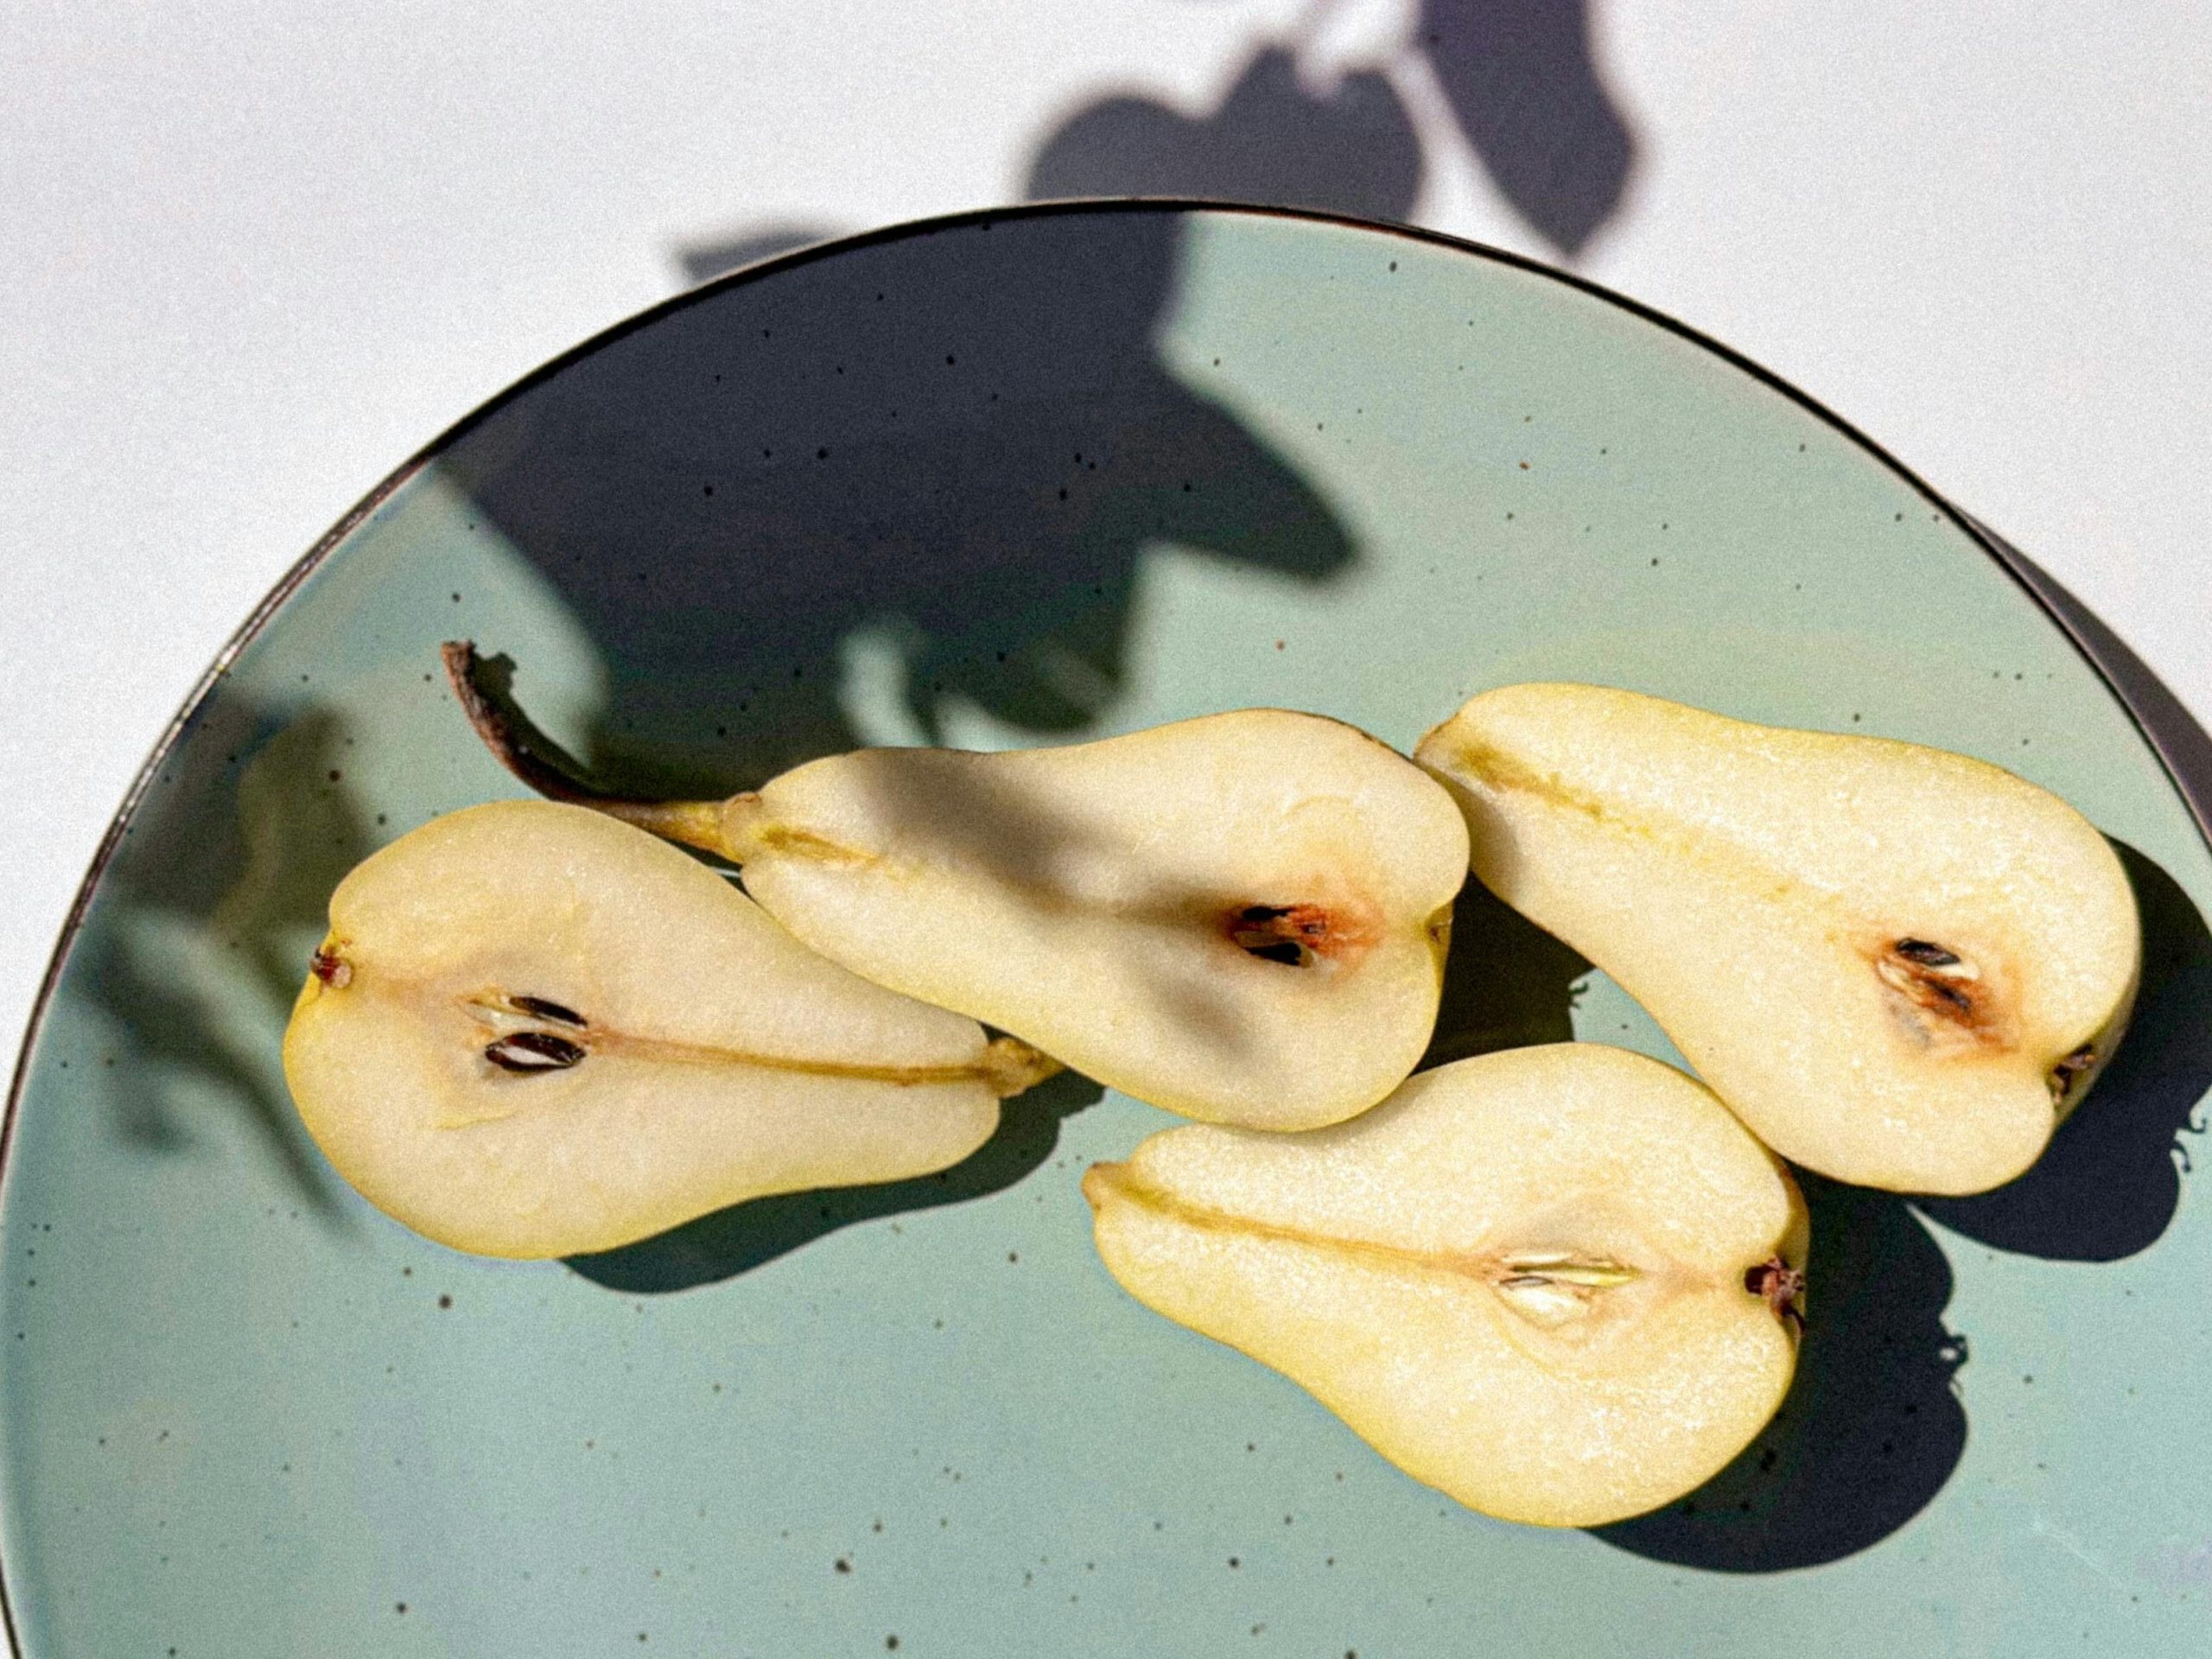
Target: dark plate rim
{"x": 1998, "y": 553}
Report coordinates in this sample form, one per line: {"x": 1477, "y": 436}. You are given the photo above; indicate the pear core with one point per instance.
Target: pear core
{"x": 533, "y": 1031}
{"x": 1560, "y": 1284}
{"x": 1901, "y": 967}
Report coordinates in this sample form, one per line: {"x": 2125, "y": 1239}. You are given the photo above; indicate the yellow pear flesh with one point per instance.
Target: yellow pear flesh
{"x": 1241, "y": 917}
{"x": 534, "y": 1031}
{"x": 1560, "y": 1284}
{"x": 1901, "y": 967}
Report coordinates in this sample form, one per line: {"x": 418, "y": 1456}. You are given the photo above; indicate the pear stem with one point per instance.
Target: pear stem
{"x": 539, "y": 762}
{"x": 1011, "y": 1066}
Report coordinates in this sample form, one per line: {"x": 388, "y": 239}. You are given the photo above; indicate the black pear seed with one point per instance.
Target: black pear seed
{"x": 534, "y": 1051}
{"x": 1926, "y": 955}
{"x": 545, "y": 1008}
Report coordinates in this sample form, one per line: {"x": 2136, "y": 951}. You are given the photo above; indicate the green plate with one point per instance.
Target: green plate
{"x": 1009, "y": 479}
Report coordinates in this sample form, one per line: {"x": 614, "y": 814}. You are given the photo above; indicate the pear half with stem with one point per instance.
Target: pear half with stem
{"x": 1899, "y": 966}
{"x": 1560, "y": 1284}
{"x": 1241, "y": 917}
{"x": 533, "y": 1031}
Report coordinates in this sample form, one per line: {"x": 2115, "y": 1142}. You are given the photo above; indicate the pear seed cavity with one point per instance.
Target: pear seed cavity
{"x": 1291, "y": 934}
{"x": 1938, "y": 994}
{"x": 1550, "y": 1287}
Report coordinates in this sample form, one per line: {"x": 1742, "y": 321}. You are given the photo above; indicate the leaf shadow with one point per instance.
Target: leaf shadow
{"x": 1522, "y": 81}
{"x": 1351, "y": 147}
{"x": 226, "y": 866}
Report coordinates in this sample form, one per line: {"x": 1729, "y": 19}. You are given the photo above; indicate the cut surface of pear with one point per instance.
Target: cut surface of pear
{"x": 1241, "y": 917}
{"x": 1560, "y": 1284}
{"x": 534, "y": 1031}
{"x": 1900, "y": 966}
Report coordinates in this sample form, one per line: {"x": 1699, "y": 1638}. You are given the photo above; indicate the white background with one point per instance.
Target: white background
{"x": 257, "y": 254}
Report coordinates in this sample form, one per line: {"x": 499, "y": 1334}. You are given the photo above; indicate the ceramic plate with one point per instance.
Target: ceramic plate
{"x": 1016, "y": 479}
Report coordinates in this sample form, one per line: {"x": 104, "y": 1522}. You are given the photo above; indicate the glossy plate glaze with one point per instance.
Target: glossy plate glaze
{"x": 1014, "y": 479}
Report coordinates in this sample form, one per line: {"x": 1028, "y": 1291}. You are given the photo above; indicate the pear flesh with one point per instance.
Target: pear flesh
{"x": 1241, "y": 917}
{"x": 534, "y": 1031}
{"x": 1562, "y": 1285}
{"x": 1901, "y": 967}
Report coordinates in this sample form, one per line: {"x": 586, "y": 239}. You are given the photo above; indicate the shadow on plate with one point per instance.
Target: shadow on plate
{"x": 857, "y": 499}
{"x": 209, "y": 908}
{"x": 2110, "y": 1182}
{"x": 746, "y": 1235}
{"x": 1872, "y": 1427}
{"x": 1507, "y": 982}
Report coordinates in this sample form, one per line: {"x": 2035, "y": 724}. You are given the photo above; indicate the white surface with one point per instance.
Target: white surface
{"x": 256, "y": 255}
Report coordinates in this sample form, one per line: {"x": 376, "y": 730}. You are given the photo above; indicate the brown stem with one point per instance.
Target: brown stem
{"x": 1779, "y": 1285}
{"x": 541, "y": 764}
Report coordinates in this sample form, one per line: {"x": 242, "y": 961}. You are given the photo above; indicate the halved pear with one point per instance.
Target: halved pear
{"x": 1241, "y": 917}
{"x": 1560, "y": 1284}
{"x": 533, "y": 1031}
{"x": 1899, "y": 966}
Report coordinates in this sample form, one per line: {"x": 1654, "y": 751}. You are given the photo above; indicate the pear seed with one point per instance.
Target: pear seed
{"x": 534, "y": 1051}
{"x": 1561, "y": 1267}
{"x": 1926, "y": 955}
{"x": 546, "y": 1008}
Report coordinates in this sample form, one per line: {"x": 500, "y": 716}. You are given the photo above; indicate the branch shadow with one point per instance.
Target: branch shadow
{"x": 1872, "y": 1427}
{"x": 703, "y": 258}
{"x": 2110, "y": 1182}
{"x": 747, "y": 1236}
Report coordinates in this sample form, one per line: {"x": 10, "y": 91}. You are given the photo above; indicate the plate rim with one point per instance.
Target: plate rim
{"x": 1998, "y": 552}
